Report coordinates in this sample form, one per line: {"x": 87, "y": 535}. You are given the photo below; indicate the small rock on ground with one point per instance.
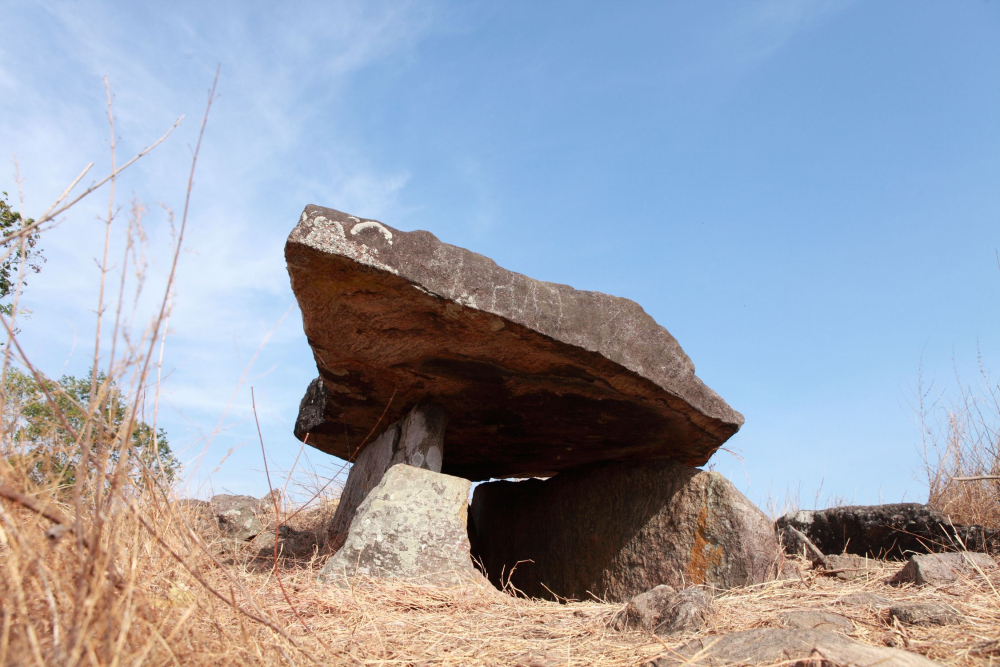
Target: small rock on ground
{"x": 291, "y": 543}
{"x": 847, "y": 566}
{"x": 646, "y": 610}
{"x": 665, "y": 611}
{"x": 865, "y": 600}
{"x": 816, "y": 620}
{"x": 769, "y": 645}
{"x": 237, "y": 516}
{"x": 925, "y": 614}
{"x": 689, "y": 610}
{"x": 940, "y": 569}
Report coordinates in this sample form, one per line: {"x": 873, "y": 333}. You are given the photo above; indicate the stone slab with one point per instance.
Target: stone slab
{"x": 614, "y": 530}
{"x": 816, "y": 620}
{"x": 787, "y": 646}
{"x": 927, "y": 613}
{"x": 943, "y": 569}
{"x": 537, "y": 377}
{"x": 891, "y": 530}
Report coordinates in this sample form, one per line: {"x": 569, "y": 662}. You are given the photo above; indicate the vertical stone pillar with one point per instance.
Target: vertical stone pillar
{"x": 416, "y": 440}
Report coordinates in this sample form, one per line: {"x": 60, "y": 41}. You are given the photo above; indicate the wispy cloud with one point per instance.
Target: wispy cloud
{"x": 759, "y": 30}
{"x": 232, "y": 287}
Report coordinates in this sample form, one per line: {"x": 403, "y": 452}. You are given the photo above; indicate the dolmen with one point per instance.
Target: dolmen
{"x": 585, "y": 409}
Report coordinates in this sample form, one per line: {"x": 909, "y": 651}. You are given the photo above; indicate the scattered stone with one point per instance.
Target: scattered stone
{"x": 193, "y": 505}
{"x": 864, "y": 599}
{"x": 646, "y": 610}
{"x": 665, "y": 611}
{"x": 412, "y": 526}
{"x": 842, "y": 566}
{"x": 847, "y": 566}
{"x": 884, "y": 531}
{"x": 536, "y": 377}
{"x": 291, "y": 543}
{"x": 617, "y": 529}
{"x": 770, "y": 645}
{"x": 940, "y": 569}
{"x": 237, "y": 516}
{"x": 536, "y": 659}
{"x": 688, "y": 610}
{"x": 199, "y": 516}
{"x": 417, "y": 440}
{"x": 816, "y": 620}
{"x": 925, "y": 614}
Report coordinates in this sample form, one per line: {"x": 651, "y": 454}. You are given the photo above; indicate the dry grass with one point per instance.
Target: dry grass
{"x": 196, "y": 609}
{"x": 111, "y": 570}
{"x": 972, "y": 643}
{"x": 961, "y": 450}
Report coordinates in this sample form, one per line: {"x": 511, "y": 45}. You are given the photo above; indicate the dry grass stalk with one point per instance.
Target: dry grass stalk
{"x": 961, "y": 451}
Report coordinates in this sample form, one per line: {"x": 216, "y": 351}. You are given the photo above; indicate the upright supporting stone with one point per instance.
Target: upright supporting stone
{"x": 616, "y": 529}
{"x": 412, "y": 527}
{"x": 416, "y": 440}
{"x": 421, "y": 439}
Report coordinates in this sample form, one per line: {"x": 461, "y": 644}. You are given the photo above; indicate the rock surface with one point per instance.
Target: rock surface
{"x": 291, "y": 543}
{"x": 816, "y": 620}
{"x": 615, "y": 530}
{"x": 417, "y": 440}
{"x": 412, "y": 526}
{"x": 238, "y": 516}
{"x": 925, "y": 614}
{"x": 940, "y": 569}
{"x": 882, "y": 531}
{"x": 536, "y": 377}
{"x": 688, "y": 610}
{"x": 646, "y": 610}
{"x": 796, "y": 543}
{"x": 847, "y": 566}
{"x": 865, "y": 599}
{"x": 769, "y": 645}
{"x": 664, "y": 611}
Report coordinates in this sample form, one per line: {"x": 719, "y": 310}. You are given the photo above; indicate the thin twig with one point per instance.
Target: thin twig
{"x": 231, "y": 602}
{"x": 370, "y": 433}
{"x": 38, "y": 508}
{"x": 53, "y": 211}
{"x": 277, "y": 529}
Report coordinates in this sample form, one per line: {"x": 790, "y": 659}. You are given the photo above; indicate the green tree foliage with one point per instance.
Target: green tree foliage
{"x": 10, "y": 222}
{"x": 38, "y": 430}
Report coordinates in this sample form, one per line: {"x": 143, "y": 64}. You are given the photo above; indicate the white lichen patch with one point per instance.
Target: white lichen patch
{"x": 328, "y": 236}
{"x": 467, "y": 300}
{"x": 371, "y": 224}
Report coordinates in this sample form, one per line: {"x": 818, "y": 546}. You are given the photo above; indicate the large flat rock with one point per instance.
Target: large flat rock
{"x": 535, "y": 377}
{"x": 885, "y": 531}
{"x": 787, "y": 646}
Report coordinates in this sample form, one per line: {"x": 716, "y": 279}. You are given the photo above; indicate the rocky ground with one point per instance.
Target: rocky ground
{"x": 382, "y": 622}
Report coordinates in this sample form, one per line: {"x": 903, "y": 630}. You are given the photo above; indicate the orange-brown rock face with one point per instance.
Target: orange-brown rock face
{"x": 535, "y": 377}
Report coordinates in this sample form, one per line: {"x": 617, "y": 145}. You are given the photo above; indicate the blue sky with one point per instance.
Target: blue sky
{"x": 804, "y": 193}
